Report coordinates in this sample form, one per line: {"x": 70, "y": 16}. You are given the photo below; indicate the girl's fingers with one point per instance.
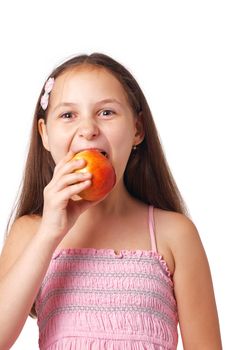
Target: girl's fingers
{"x": 63, "y": 161}
{"x": 75, "y": 189}
{"x": 71, "y": 179}
{"x": 68, "y": 167}
{"x": 66, "y": 182}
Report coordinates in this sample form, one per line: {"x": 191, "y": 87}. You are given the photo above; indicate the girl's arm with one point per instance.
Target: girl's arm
{"x": 29, "y": 247}
{"x": 23, "y": 264}
{"x": 194, "y": 290}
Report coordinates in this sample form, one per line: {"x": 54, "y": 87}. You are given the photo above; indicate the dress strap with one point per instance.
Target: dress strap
{"x": 152, "y": 228}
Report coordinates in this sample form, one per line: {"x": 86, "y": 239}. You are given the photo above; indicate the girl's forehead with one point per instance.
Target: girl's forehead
{"x": 81, "y": 81}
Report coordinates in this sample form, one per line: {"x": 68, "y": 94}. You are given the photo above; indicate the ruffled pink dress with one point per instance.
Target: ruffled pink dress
{"x": 94, "y": 299}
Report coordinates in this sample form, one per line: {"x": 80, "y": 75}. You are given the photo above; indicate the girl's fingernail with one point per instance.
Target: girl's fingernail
{"x": 88, "y": 175}
{"x": 87, "y": 182}
{"x": 80, "y": 161}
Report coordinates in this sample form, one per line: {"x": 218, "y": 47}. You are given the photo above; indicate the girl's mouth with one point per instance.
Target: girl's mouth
{"x": 104, "y": 154}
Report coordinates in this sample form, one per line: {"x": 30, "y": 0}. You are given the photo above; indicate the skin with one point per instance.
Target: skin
{"x": 66, "y": 223}
{"x": 91, "y": 122}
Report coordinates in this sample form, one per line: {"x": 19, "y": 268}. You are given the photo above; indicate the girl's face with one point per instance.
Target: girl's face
{"x": 88, "y": 108}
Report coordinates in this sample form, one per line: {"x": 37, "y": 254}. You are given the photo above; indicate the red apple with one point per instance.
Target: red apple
{"x": 103, "y": 174}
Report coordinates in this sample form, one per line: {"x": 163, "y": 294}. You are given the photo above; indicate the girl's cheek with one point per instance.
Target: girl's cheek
{"x": 59, "y": 149}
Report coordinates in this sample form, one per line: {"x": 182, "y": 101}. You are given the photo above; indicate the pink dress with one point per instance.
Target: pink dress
{"x": 95, "y": 299}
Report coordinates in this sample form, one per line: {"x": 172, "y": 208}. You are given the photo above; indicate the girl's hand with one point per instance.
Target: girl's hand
{"x": 60, "y": 212}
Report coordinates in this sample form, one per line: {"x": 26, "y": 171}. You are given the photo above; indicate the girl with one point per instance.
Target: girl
{"x": 119, "y": 273}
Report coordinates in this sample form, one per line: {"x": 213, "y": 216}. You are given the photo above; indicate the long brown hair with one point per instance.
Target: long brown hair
{"x": 154, "y": 183}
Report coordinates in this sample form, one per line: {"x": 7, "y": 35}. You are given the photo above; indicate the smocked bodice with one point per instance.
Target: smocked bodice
{"x": 94, "y": 299}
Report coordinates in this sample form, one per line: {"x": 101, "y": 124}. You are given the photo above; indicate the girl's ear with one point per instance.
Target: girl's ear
{"x": 43, "y": 133}
{"x": 139, "y": 130}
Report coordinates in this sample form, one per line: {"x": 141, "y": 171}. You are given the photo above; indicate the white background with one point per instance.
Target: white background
{"x": 181, "y": 53}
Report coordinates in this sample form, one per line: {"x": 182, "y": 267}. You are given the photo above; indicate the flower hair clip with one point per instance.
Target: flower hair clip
{"x": 47, "y": 89}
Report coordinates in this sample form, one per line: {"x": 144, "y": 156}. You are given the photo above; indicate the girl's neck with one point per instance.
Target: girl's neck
{"x": 103, "y": 222}
{"x": 118, "y": 203}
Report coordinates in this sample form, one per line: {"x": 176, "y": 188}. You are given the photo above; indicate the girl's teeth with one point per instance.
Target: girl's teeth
{"x": 104, "y": 154}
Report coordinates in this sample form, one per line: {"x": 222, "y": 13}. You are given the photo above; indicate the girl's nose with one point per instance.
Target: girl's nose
{"x": 88, "y": 130}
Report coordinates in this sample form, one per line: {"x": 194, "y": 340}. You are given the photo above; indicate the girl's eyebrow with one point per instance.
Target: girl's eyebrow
{"x": 109, "y": 100}
{"x": 64, "y": 104}
{"x": 73, "y": 104}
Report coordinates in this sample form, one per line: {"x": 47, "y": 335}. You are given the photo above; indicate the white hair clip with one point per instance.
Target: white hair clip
{"x": 47, "y": 89}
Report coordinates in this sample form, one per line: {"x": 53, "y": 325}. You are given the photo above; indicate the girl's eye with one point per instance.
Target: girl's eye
{"x": 67, "y": 115}
{"x": 107, "y": 112}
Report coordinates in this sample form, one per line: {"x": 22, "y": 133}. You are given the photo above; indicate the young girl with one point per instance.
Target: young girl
{"x": 119, "y": 273}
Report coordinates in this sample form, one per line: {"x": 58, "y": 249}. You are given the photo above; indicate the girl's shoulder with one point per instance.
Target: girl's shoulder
{"x": 20, "y": 233}
{"x": 172, "y": 220}
{"x": 25, "y": 227}
{"x": 175, "y": 234}
{"x": 172, "y": 225}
